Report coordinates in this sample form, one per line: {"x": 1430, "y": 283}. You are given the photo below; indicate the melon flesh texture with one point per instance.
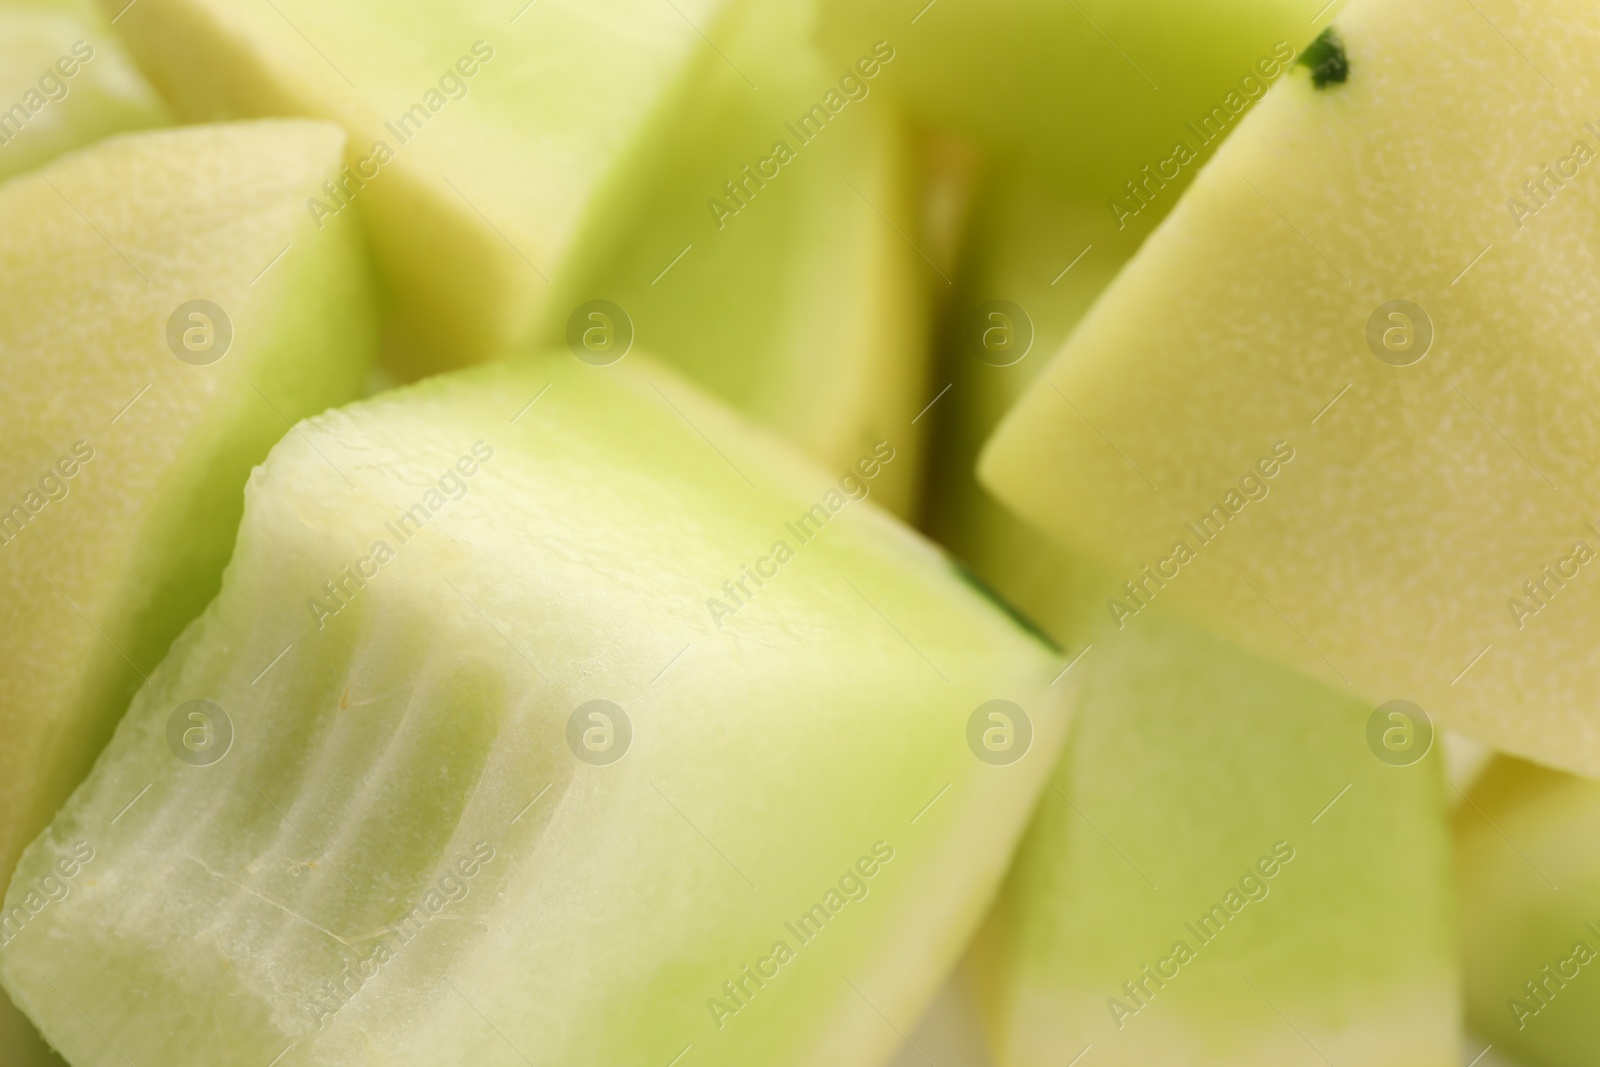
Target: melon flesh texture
{"x": 474, "y": 214}
{"x": 1075, "y": 920}
{"x": 807, "y": 309}
{"x": 423, "y": 719}
{"x": 1087, "y": 92}
{"x": 1526, "y": 831}
{"x": 1188, "y": 762}
{"x": 579, "y": 165}
{"x": 104, "y": 95}
{"x": 1388, "y": 551}
{"x": 101, "y": 569}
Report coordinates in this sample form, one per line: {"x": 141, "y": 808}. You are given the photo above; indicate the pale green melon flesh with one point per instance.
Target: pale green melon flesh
{"x": 1076, "y": 920}
{"x": 799, "y": 297}
{"x": 44, "y": 109}
{"x": 492, "y": 180}
{"x": 1529, "y": 880}
{"x": 1188, "y": 763}
{"x": 1390, "y": 549}
{"x": 101, "y": 569}
{"x": 805, "y": 311}
{"x": 1089, "y": 92}
{"x": 428, "y": 715}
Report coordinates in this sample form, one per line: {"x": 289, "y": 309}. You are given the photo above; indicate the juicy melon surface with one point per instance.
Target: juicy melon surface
{"x": 122, "y": 465}
{"x": 502, "y": 129}
{"x": 1391, "y": 554}
{"x": 570, "y": 525}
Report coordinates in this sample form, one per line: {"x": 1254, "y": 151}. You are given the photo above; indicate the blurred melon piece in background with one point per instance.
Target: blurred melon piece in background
{"x": 64, "y": 82}
{"x": 1089, "y": 93}
{"x": 484, "y": 136}
{"x": 774, "y": 255}
{"x": 1528, "y": 874}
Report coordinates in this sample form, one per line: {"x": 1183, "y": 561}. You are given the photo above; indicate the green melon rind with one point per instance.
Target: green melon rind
{"x": 1529, "y": 886}
{"x": 1405, "y": 524}
{"x": 586, "y": 547}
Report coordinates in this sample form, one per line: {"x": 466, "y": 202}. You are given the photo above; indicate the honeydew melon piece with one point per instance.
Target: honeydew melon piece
{"x": 1529, "y": 883}
{"x": 422, "y": 731}
{"x": 1197, "y": 776}
{"x": 785, "y": 279}
{"x": 521, "y": 120}
{"x": 64, "y": 82}
{"x": 123, "y": 464}
{"x": 1391, "y": 552}
{"x": 1052, "y": 954}
{"x": 1089, "y": 92}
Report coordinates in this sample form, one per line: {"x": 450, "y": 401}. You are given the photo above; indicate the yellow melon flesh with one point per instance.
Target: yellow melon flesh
{"x": 123, "y": 465}
{"x": 1389, "y": 555}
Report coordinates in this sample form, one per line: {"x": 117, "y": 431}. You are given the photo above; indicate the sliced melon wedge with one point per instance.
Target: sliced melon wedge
{"x": 482, "y": 137}
{"x": 774, "y": 255}
{"x": 1529, "y": 881}
{"x": 1216, "y": 823}
{"x": 425, "y": 842}
{"x": 64, "y": 82}
{"x": 1077, "y": 919}
{"x": 1352, "y": 498}
{"x": 130, "y": 425}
